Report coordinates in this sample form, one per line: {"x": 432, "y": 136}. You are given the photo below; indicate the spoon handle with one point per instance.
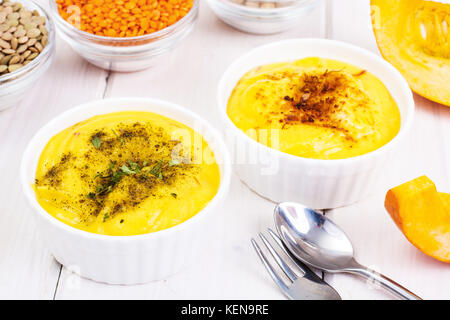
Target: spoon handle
{"x": 385, "y": 282}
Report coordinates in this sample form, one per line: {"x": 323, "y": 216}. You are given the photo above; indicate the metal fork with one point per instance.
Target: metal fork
{"x": 308, "y": 286}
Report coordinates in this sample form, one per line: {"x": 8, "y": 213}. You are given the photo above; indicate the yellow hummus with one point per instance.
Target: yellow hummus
{"x": 315, "y": 108}
{"x": 126, "y": 173}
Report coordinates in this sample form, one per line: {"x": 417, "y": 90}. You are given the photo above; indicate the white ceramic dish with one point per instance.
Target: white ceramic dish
{"x": 319, "y": 184}
{"x": 125, "y": 259}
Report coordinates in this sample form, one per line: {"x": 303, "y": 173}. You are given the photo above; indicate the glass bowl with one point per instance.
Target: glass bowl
{"x": 15, "y": 85}
{"x": 125, "y": 54}
{"x": 262, "y": 16}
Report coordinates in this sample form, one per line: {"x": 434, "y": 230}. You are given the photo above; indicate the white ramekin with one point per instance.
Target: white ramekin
{"x": 125, "y": 259}
{"x": 320, "y": 184}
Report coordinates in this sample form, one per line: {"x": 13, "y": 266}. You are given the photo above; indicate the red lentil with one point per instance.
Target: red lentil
{"x": 120, "y": 18}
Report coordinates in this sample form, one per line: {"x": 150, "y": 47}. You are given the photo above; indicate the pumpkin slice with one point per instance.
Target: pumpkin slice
{"x": 445, "y": 197}
{"x": 423, "y": 215}
{"x": 414, "y": 36}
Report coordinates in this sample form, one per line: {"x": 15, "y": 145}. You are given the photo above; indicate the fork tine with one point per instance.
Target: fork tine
{"x": 286, "y": 269}
{"x": 269, "y": 268}
{"x": 281, "y": 245}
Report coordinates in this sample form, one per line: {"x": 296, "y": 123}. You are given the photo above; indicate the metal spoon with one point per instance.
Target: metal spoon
{"x": 317, "y": 241}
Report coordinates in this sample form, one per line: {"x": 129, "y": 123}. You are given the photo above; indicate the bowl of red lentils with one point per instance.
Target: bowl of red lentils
{"x": 124, "y": 35}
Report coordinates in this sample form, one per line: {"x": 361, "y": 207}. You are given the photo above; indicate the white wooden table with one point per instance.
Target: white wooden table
{"x": 229, "y": 268}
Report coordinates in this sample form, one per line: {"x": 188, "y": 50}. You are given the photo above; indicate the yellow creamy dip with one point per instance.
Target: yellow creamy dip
{"x": 315, "y": 108}
{"x": 126, "y": 173}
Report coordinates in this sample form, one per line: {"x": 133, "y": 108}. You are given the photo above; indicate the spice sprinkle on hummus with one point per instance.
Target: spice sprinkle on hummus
{"x": 315, "y": 108}
{"x": 126, "y": 173}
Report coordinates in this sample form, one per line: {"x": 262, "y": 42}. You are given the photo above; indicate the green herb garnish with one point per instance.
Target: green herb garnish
{"x": 112, "y": 180}
{"x": 134, "y": 166}
{"x": 91, "y": 195}
{"x": 112, "y": 177}
{"x": 117, "y": 136}
{"x": 174, "y": 195}
{"x": 157, "y": 170}
{"x": 126, "y": 170}
{"x": 96, "y": 142}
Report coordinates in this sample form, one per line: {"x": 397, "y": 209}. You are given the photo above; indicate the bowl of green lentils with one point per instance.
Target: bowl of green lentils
{"x": 27, "y": 48}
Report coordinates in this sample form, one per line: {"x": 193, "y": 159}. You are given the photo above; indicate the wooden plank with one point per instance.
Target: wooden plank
{"x": 349, "y": 21}
{"x": 229, "y": 269}
{"x": 378, "y": 243}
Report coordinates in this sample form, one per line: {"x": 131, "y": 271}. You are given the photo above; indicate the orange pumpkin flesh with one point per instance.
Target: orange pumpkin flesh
{"x": 445, "y": 198}
{"x": 423, "y": 215}
{"x": 414, "y": 36}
